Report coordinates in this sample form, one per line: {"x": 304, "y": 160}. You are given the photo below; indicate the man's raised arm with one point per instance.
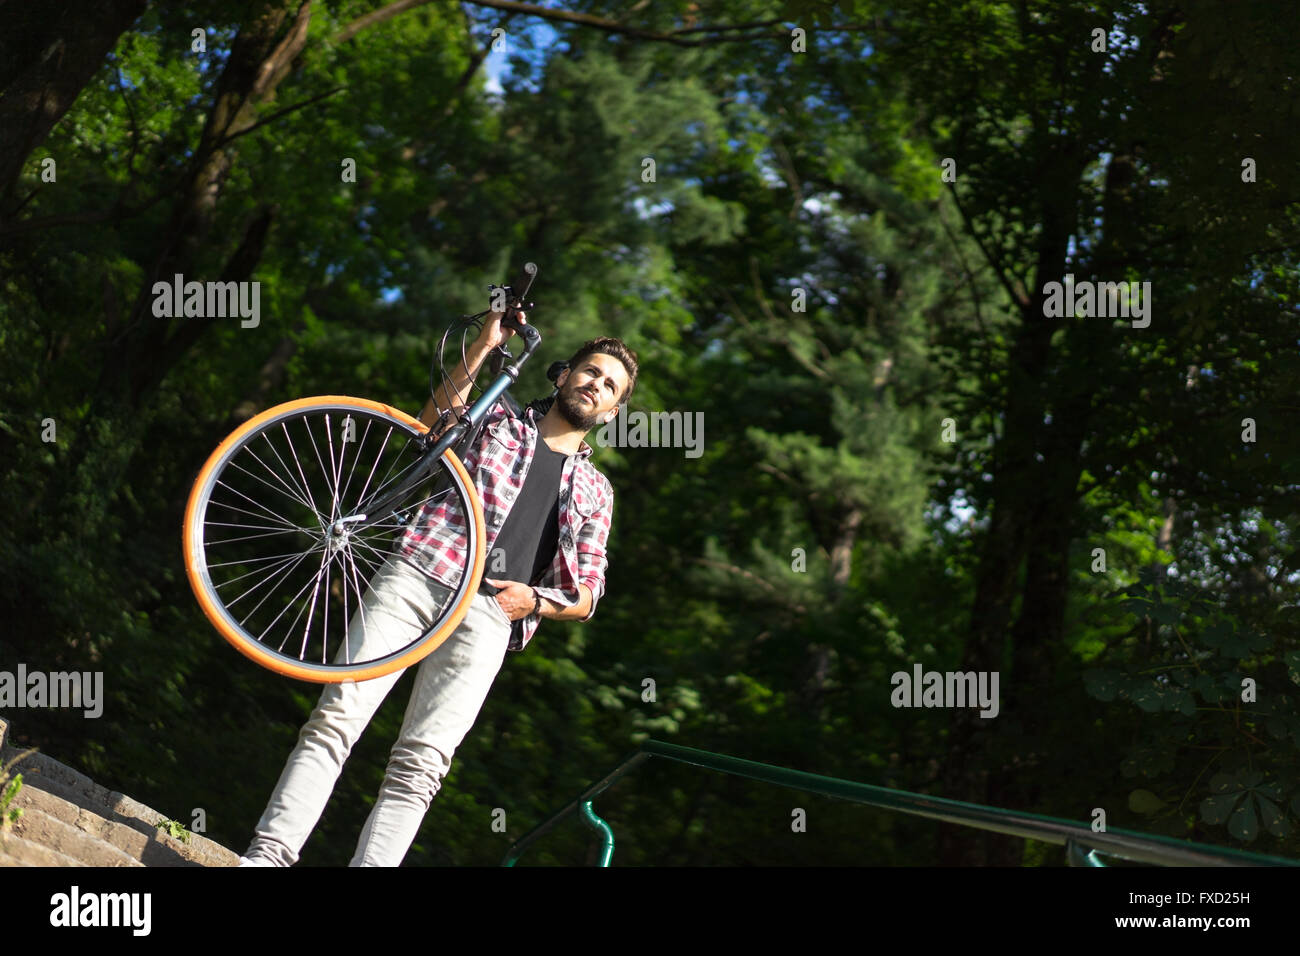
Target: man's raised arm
{"x": 451, "y": 393}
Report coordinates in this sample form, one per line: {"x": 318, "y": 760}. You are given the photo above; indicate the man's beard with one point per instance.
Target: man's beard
{"x": 575, "y": 411}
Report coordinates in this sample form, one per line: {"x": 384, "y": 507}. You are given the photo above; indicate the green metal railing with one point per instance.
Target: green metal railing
{"x": 1083, "y": 845}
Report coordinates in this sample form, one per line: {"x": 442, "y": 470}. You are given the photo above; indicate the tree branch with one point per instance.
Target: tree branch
{"x": 377, "y": 16}
{"x": 119, "y": 210}
{"x": 771, "y": 317}
{"x": 275, "y": 116}
{"x": 1017, "y": 296}
{"x": 611, "y": 26}
{"x": 973, "y": 285}
{"x": 743, "y": 572}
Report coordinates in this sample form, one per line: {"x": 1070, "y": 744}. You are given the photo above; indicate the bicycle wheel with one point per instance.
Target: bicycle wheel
{"x": 276, "y": 554}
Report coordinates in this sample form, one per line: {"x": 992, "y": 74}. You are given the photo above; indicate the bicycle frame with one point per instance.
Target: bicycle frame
{"x": 380, "y": 509}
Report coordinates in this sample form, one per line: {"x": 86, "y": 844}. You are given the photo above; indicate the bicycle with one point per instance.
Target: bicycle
{"x": 281, "y": 515}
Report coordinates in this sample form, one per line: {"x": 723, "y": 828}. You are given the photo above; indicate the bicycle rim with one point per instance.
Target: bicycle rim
{"x": 276, "y": 558}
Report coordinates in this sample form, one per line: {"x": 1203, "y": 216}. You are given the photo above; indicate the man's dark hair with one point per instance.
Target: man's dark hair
{"x": 614, "y": 347}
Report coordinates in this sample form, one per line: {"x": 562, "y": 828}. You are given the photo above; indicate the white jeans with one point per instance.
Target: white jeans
{"x": 450, "y": 687}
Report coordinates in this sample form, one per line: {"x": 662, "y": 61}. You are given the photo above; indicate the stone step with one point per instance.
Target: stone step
{"x": 156, "y": 849}
{"x": 46, "y": 775}
{"x": 15, "y": 851}
{"x": 39, "y": 827}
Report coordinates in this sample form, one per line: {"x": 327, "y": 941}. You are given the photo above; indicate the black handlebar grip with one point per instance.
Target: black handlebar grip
{"x": 518, "y": 293}
{"x": 525, "y": 280}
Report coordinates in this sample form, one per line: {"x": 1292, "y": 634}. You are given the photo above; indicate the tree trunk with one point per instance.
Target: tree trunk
{"x": 1023, "y": 496}
{"x": 48, "y": 53}
{"x": 1027, "y": 690}
{"x": 818, "y": 665}
{"x": 260, "y": 58}
{"x": 138, "y": 360}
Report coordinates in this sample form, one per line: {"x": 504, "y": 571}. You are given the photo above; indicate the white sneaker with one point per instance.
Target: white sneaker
{"x": 245, "y": 861}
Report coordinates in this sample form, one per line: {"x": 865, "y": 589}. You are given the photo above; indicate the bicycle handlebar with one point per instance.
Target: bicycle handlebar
{"x": 515, "y": 299}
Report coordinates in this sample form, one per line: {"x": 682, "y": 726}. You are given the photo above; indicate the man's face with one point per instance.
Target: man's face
{"x": 590, "y": 392}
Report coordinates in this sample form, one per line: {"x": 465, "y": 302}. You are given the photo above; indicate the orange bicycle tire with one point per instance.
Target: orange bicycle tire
{"x": 213, "y": 609}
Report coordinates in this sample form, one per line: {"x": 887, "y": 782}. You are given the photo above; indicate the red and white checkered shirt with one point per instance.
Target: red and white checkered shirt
{"x": 436, "y": 540}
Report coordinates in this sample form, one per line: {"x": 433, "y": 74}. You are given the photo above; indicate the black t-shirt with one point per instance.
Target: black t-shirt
{"x": 531, "y": 532}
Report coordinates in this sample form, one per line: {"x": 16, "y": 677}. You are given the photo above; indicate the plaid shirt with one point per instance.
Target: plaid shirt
{"x": 436, "y": 540}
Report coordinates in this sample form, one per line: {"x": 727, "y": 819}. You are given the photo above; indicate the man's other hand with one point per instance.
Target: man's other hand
{"x": 516, "y": 598}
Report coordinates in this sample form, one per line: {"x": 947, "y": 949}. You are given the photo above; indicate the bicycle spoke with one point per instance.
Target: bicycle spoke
{"x": 279, "y": 491}
{"x": 343, "y": 495}
{"x": 273, "y": 516}
{"x": 302, "y": 653}
{"x": 253, "y": 514}
{"x": 335, "y": 473}
{"x": 251, "y": 537}
{"x": 401, "y": 476}
{"x": 385, "y": 482}
{"x": 267, "y": 438}
{"x": 272, "y": 557}
{"x": 366, "y": 541}
{"x": 361, "y": 612}
{"x": 301, "y": 558}
{"x": 294, "y": 623}
{"x": 347, "y": 619}
{"x": 271, "y": 575}
{"x": 258, "y": 527}
{"x": 325, "y": 628}
{"x": 294, "y": 454}
{"x": 395, "y": 525}
{"x": 334, "y": 515}
{"x": 293, "y": 492}
{"x": 374, "y": 568}
{"x": 378, "y": 459}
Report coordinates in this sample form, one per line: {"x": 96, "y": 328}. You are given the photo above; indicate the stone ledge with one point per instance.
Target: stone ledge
{"x": 15, "y": 851}
{"x": 45, "y": 774}
{"x": 39, "y": 827}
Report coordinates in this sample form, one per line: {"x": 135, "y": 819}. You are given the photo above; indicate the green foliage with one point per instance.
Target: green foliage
{"x": 798, "y": 272}
{"x": 9, "y": 788}
{"x": 1220, "y": 697}
{"x": 175, "y": 829}
{"x": 8, "y": 816}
